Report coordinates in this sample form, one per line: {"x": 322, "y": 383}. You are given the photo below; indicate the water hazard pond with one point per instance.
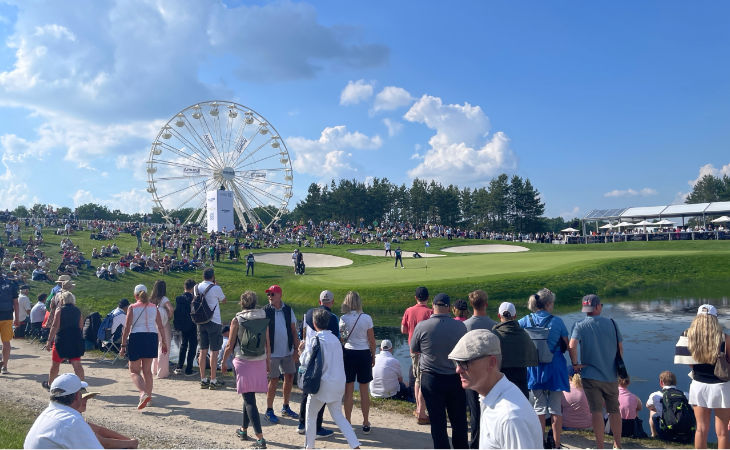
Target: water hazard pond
{"x": 650, "y": 330}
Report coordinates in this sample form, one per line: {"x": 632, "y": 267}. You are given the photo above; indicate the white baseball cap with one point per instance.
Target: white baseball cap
{"x": 385, "y": 344}
{"x": 507, "y": 307}
{"x": 326, "y": 296}
{"x": 140, "y": 288}
{"x": 707, "y": 309}
{"x": 67, "y": 384}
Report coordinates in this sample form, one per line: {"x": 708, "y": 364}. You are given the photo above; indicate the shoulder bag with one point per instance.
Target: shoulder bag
{"x": 722, "y": 371}
{"x": 620, "y": 365}
{"x": 313, "y": 374}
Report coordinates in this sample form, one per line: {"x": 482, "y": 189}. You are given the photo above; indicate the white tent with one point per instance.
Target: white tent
{"x": 607, "y": 226}
{"x": 664, "y": 222}
{"x": 569, "y": 230}
{"x": 723, "y": 219}
{"x": 624, "y": 224}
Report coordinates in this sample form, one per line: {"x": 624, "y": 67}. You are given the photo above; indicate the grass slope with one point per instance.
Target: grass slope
{"x": 613, "y": 270}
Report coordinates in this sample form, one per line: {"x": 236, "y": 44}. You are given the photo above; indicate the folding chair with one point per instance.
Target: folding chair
{"x": 112, "y": 343}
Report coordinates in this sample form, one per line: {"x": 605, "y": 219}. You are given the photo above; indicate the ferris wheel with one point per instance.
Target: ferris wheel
{"x": 219, "y": 145}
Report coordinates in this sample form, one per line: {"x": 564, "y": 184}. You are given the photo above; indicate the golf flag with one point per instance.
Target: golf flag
{"x": 428, "y": 244}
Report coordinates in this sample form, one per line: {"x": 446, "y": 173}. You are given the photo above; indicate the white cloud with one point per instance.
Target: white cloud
{"x": 645, "y": 192}
{"x": 392, "y": 97}
{"x": 709, "y": 169}
{"x": 393, "y": 126}
{"x": 356, "y": 92}
{"x": 573, "y": 213}
{"x": 416, "y": 156}
{"x": 14, "y": 193}
{"x": 143, "y": 58}
{"x": 132, "y": 201}
{"x": 329, "y": 155}
{"x": 458, "y": 152}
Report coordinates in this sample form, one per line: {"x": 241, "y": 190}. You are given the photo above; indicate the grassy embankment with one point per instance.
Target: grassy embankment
{"x": 622, "y": 270}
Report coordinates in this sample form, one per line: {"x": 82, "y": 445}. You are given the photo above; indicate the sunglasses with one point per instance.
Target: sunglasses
{"x": 464, "y": 365}
{"x": 269, "y": 294}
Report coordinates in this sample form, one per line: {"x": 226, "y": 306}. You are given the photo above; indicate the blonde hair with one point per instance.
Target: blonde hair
{"x": 248, "y": 300}
{"x": 577, "y": 380}
{"x": 704, "y": 337}
{"x": 142, "y": 296}
{"x": 541, "y": 300}
{"x": 66, "y": 298}
{"x": 352, "y": 302}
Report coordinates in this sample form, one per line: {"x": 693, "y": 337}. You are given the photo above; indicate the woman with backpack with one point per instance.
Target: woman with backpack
{"x": 249, "y": 343}
{"x": 161, "y": 364}
{"x": 548, "y": 380}
{"x": 140, "y": 340}
{"x": 707, "y": 342}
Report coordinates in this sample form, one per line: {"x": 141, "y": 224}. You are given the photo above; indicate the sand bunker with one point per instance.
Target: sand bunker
{"x": 310, "y": 259}
{"x": 373, "y": 252}
{"x": 486, "y": 248}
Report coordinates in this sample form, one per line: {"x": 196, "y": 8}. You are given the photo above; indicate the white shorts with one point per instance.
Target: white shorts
{"x": 716, "y": 395}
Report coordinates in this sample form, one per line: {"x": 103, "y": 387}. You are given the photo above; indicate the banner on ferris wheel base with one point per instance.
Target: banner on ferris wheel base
{"x": 220, "y": 210}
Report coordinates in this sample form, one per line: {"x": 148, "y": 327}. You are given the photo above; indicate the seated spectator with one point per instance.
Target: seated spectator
{"x": 460, "y": 310}
{"x": 102, "y": 272}
{"x": 114, "y": 249}
{"x": 39, "y": 275}
{"x": 629, "y": 406}
{"x": 61, "y": 424}
{"x": 576, "y": 413}
{"x": 518, "y": 350}
{"x": 667, "y": 384}
{"x": 119, "y": 315}
{"x": 95, "y": 253}
{"x": 387, "y": 376}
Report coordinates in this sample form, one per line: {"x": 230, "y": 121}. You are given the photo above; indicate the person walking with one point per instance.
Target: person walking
{"x": 326, "y": 300}
{"x": 548, "y": 381}
{"x": 434, "y": 338}
{"x": 140, "y": 340}
{"x": 600, "y": 340}
{"x": 186, "y": 327}
{"x": 249, "y": 343}
{"x": 161, "y": 364}
{"x": 332, "y": 382}
{"x": 707, "y": 393}
{"x": 9, "y": 309}
{"x": 508, "y": 420}
{"x": 284, "y": 343}
{"x": 65, "y": 340}
{"x": 210, "y": 334}
{"x": 358, "y": 342}
{"x": 412, "y": 317}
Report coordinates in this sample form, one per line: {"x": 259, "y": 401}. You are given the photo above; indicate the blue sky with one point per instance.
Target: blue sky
{"x": 599, "y": 104}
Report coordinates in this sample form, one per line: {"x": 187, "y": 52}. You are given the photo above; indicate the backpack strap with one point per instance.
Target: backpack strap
{"x": 532, "y": 320}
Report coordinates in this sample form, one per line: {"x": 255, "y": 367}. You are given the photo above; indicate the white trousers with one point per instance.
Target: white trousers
{"x": 335, "y": 409}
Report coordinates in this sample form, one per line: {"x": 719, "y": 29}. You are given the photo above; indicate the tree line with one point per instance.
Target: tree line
{"x": 710, "y": 189}
{"x": 505, "y": 204}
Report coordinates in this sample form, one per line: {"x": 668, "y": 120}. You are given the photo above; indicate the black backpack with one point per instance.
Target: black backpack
{"x": 92, "y": 323}
{"x": 200, "y": 312}
{"x": 677, "y": 419}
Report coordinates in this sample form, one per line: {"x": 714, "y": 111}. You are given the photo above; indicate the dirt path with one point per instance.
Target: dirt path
{"x": 181, "y": 414}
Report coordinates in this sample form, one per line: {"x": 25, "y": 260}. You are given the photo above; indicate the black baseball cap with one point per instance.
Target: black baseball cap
{"x": 442, "y": 300}
{"x": 421, "y": 293}
{"x": 123, "y": 303}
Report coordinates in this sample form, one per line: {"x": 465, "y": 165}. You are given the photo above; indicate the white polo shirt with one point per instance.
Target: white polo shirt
{"x": 60, "y": 426}
{"x": 23, "y": 307}
{"x": 385, "y": 375}
{"x": 213, "y": 297}
{"x": 508, "y": 419}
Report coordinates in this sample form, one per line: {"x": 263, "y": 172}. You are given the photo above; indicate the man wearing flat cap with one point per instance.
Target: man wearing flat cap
{"x": 61, "y": 424}
{"x": 434, "y": 338}
{"x": 508, "y": 420}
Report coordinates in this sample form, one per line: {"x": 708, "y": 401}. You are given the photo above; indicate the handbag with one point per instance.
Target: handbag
{"x": 344, "y": 333}
{"x": 722, "y": 371}
{"x": 313, "y": 374}
{"x": 620, "y": 365}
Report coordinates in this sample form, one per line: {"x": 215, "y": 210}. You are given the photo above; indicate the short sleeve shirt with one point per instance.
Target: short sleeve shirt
{"x": 358, "y": 336}
{"x": 213, "y": 297}
{"x": 597, "y": 347}
{"x": 23, "y": 306}
{"x": 413, "y": 315}
{"x": 479, "y": 323}
{"x": 281, "y": 342}
{"x": 60, "y": 426}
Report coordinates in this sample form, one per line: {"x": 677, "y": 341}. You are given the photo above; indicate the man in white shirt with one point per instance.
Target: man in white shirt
{"x": 508, "y": 419}
{"x": 210, "y": 335}
{"x": 61, "y": 424}
{"x": 24, "y": 307}
{"x": 387, "y": 377}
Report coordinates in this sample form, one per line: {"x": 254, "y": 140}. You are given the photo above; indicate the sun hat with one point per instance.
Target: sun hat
{"x": 475, "y": 344}
{"x": 68, "y": 285}
{"x": 63, "y": 278}
{"x": 707, "y": 309}
{"x": 140, "y": 288}
{"x": 67, "y": 384}
{"x": 507, "y": 310}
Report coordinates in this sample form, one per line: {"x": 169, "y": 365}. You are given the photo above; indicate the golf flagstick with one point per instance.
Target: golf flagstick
{"x": 425, "y": 252}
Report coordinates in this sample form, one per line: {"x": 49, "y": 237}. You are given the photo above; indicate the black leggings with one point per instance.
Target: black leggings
{"x": 251, "y": 412}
